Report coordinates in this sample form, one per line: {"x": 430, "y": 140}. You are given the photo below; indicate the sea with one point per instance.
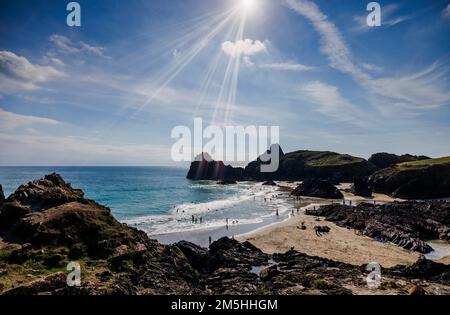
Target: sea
{"x": 163, "y": 203}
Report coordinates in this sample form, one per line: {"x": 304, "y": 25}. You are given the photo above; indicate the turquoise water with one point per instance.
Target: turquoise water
{"x": 159, "y": 200}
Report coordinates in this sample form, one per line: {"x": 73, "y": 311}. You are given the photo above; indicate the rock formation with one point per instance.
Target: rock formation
{"x": 204, "y": 168}
{"x": 361, "y": 187}
{"x": 317, "y": 188}
{"x": 385, "y": 160}
{"x": 407, "y": 224}
{"x": 301, "y": 165}
{"x": 425, "y": 179}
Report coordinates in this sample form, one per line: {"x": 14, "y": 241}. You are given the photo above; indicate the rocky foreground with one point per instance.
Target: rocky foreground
{"x": 46, "y": 224}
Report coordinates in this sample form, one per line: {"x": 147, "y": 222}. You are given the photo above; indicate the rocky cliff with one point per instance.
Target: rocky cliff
{"x": 385, "y": 160}
{"x": 424, "y": 179}
{"x": 293, "y": 166}
{"x": 313, "y": 164}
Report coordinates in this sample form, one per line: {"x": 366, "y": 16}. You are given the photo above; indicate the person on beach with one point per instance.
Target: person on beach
{"x": 201, "y": 220}
{"x": 210, "y": 241}
{"x": 227, "y": 221}
{"x": 292, "y": 212}
{"x": 193, "y": 219}
{"x": 278, "y": 213}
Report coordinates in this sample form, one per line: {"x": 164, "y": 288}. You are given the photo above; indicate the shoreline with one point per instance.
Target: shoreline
{"x": 280, "y": 234}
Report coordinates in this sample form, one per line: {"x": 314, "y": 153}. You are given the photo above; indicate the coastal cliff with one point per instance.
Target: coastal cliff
{"x": 293, "y": 166}
{"x": 424, "y": 179}
{"x": 46, "y": 224}
{"x": 406, "y": 176}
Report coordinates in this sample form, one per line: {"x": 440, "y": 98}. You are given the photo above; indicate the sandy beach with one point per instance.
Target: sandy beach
{"x": 339, "y": 244}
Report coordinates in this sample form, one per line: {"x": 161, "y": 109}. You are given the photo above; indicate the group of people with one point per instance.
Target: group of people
{"x": 196, "y": 220}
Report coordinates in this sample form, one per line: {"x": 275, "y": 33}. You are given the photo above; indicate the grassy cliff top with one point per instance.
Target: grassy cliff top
{"x": 322, "y": 159}
{"x": 423, "y": 164}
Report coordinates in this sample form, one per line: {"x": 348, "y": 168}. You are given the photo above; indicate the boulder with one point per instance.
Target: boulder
{"x": 49, "y": 283}
{"x": 361, "y": 187}
{"x": 317, "y": 188}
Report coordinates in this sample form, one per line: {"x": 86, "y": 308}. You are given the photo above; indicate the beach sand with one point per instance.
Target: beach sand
{"x": 340, "y": 244}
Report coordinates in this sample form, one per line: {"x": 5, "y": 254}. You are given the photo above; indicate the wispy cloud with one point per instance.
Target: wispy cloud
{"x": 17, "y": 73}
{"x": 10, "y": 121}
{"x": 446, "y": 11}
{"x": 330, "y": 102}
{"x": 246, "y": 47}
{"x": 332, "y": 42}
{"x": 66, "y": 45}
{"x": 421, "y": 90}
{"x": 371, "y": 67}
{"x": 286, "y": 66}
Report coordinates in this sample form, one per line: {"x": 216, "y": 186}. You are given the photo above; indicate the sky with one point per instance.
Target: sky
{"x": 111, "y": 91}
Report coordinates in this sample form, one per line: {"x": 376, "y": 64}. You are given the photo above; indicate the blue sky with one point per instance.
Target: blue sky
{"x": 110, "y": 92}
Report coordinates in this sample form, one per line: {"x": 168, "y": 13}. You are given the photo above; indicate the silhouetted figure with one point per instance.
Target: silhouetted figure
{"x": 193, "y": 219}
{"x": 210, "y": 241}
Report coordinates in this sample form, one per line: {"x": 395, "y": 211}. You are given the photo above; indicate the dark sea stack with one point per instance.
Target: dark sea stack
{"x": 425, "y": 179}
{"x": 317, "y": 188}
{"x": 407, "y": 224}
{"x": 204, "y": 168}
{"x": 385, "y": 160}
{"x": 361, "y": 187}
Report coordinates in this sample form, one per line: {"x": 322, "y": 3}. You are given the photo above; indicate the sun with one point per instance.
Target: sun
{"x": 248, "y": 5}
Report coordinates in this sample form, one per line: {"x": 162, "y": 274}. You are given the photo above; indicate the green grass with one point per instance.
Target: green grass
{"x": 423, "y": 164}
{"x": 321, "y": 159}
